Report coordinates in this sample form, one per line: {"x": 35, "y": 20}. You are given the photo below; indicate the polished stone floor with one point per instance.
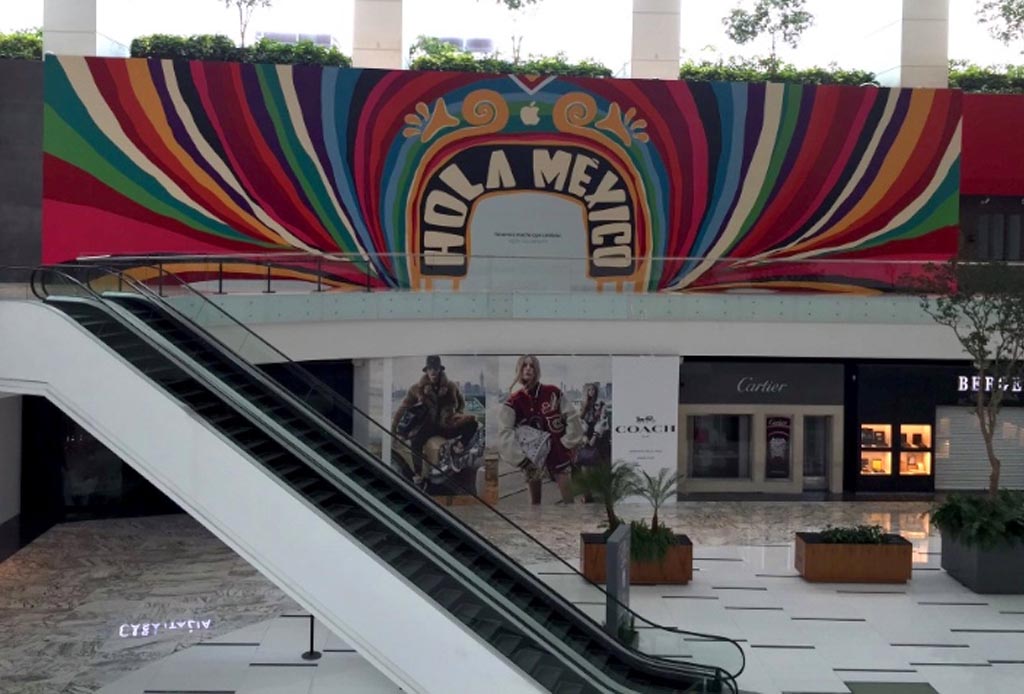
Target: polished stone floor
{"x": 70, "y": 601}
{"x": 116, "y": 606}
{"x": 705, "y": 522}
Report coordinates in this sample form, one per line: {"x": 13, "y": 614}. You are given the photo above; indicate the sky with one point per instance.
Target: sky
{"x": 596, "y": 29}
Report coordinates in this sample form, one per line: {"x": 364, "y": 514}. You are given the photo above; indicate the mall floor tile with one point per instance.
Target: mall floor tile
{"x": 71, "y": 601}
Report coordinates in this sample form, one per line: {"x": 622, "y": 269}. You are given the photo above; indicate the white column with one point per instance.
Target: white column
{"x": 85, "y": 27}
{"x": 377, "y": 41}
{"x": 911, "y": 43}
{"x": 10, "y": 456}
{"x": 655, "y": 52}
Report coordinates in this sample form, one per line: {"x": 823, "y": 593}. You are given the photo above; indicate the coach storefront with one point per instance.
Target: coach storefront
{"x": 760, "y": 427}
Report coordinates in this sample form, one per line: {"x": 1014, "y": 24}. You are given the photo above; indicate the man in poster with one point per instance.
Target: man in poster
{"x": 538, "y": 430}
{"x": 435, "y": 407}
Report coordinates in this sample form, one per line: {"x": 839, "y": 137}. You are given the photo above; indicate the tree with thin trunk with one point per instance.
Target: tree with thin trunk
{"x": 983, "y": 303}
{"x": 782, "y": 20}
{"x": 245, "y": 12}
{"x": 1005, "y": 20}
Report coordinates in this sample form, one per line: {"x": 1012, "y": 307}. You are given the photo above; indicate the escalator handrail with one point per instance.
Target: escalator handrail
{"x": 571, "y": 659}
{"x": 321, "y": 388}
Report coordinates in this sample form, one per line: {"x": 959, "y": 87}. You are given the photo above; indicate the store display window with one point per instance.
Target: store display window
{"x": 876, "y": 449}
{"x": 915, "y": 449}
{"x": 720, "y": 446}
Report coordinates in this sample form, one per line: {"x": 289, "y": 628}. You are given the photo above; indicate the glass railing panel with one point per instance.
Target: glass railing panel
{"x": 527, "y": 272}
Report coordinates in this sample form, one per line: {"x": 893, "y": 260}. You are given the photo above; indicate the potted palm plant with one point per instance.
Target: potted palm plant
{"x": 606, "y": 483}
{"x": 657, "y": 555}
{"x": 857, "y": 554}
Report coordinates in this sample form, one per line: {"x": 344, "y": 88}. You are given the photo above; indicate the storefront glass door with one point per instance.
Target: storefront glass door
{"x": 817, "y": 451}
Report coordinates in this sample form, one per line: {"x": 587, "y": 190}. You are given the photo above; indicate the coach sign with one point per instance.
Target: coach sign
{"x": 645, "y": 412}
{"x": 760, "y": 383}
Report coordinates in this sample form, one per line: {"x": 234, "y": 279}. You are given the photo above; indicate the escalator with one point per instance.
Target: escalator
{"x": 532, "y": 626}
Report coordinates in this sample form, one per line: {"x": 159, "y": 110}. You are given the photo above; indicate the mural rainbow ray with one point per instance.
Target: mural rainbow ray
{"x": 678, "y": 186}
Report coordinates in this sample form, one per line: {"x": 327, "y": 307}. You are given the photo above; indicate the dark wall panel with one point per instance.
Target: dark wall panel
{"x": 21, "y": 162}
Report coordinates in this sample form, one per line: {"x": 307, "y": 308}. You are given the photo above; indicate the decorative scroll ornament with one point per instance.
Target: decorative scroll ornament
{"x": 426, "y": 124}
{"x": 486, "y": 111}
{"x": 623, "y": 127}
{"x": 576, "y": 111}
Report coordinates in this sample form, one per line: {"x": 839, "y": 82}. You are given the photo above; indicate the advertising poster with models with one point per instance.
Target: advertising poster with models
{"x": 515, "y": 429}
{"x": 437, "y": 409}
{"x": 552, "y": 416}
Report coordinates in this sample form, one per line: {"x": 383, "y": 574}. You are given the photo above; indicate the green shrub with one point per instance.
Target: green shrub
{"x": 197, "y": 47}
{"x": 994, "y": 79}
{"x": 649, "y": 544}
{"x": 432, "y": 54}
{"x": 764, "y": 70}
{"x": 218, "y": 47}
{"x": 853, "y": 535}
{"x": 982, "y": 521}
{"x": 25, "y": 44}
{"x": 301, "y": 53}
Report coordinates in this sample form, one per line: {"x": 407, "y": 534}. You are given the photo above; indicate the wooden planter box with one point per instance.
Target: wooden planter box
{"x": 889, "y": 562}
{"x": 676, "y": 568}
{"x": 991, "y": 570}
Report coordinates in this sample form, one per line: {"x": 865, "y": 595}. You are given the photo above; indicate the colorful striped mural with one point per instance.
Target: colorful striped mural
{"x": 669, "y": 186}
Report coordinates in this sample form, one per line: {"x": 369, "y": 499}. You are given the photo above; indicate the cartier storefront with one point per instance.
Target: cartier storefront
{"x": 760, "y": 427}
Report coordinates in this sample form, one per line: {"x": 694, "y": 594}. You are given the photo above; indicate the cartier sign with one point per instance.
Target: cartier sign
{"x": 752, "y": 384}
{"x": 765, "y": 383}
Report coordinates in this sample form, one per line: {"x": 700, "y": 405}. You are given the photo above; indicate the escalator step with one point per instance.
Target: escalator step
{"x": 527, "y": 659}
{"x": 336, "y": 510}
{"x": 568, "y": 688}
{"x": 548, "y": 677}
{"x": 322, "y": 496}
{"x": 373, "y": 538}
{"x": 412, "y": 567}
{"x": 304, "y": 483}
{"x": 274, "y": 458}
{"x": 507, "y": 643}
{"x": 353, "y": 526}
{"x": 448, "y": 597}
{"x": 431, "y": 580}
{"x": 486, "y": 629}
{"x": 392, "y": 554}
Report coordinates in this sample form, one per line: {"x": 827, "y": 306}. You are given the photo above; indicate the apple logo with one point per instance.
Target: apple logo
{"x": 530, "y": 115}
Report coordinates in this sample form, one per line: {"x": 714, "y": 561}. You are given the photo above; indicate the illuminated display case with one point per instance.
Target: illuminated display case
{"x": 915, "y": 449}
{"x": 876, "y": 449}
